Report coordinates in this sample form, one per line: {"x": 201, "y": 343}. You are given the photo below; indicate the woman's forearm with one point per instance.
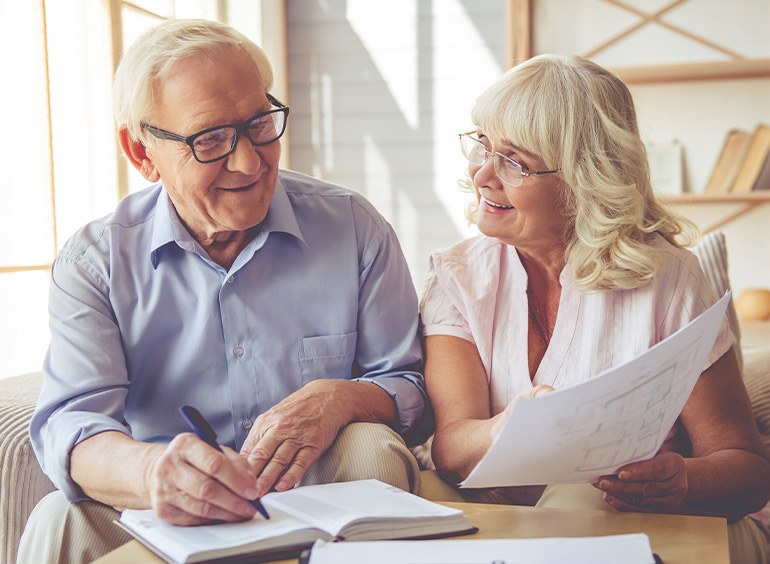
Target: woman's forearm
{"x": 729, "y": 483}
{"x": 459, "y": 446}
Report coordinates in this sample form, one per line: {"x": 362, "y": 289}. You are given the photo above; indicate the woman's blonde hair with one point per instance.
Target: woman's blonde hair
{"x": 154, "y": 52}
{"x": 580, "y": 119}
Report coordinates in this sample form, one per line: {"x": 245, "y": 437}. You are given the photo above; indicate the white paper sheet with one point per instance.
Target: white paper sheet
{"x": 623, "y": 415}
{"x": 629, "y": 549}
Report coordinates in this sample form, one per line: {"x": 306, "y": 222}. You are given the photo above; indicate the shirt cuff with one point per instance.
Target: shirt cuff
{"x": 59, "y": 445}
{"x": 407, "y": 394}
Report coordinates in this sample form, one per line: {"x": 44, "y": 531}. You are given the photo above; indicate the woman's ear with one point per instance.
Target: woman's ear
{"x": 136, "y": 152}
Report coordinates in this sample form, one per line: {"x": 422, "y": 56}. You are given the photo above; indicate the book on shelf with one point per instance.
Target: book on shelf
{"x": 763, "y": 178}
{"x": 357, "y": 511}
{"x": 725, "y": 170}
{"x": 746, "y": 179}
{"x": 666, "y": 167}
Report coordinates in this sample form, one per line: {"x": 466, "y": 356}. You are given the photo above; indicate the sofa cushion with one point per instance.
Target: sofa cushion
{"x": 22, "y": 482}
{"x": 711, "y": 251}
{"x": 756, "y": 377}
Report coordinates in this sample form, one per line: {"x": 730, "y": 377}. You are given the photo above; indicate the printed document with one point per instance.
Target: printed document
{"x": 629, "y": 549}
{"x": 623, "y": 415}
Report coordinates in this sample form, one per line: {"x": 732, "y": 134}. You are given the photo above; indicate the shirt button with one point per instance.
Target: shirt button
{"x": 238, "y": 351}
{"x": 230, "y": 280}
{"x": 247, "y": 423}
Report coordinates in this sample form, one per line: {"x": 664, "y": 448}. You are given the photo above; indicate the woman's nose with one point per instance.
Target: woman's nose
{"x": 485, "y": 174}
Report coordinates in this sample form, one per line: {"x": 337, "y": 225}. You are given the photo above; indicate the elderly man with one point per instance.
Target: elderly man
{"x": 278, "y": 305}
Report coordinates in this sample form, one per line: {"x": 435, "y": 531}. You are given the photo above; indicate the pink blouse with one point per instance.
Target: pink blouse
{"x": 477, "y": 290}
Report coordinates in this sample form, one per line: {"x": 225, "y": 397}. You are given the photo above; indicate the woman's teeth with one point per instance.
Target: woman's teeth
{"x": 498, "y": 206}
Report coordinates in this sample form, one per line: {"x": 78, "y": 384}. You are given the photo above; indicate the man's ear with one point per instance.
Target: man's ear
{"x": 136, "y": 152}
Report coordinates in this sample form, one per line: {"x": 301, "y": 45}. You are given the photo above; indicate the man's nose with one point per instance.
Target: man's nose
{"x": 244, "y": 157}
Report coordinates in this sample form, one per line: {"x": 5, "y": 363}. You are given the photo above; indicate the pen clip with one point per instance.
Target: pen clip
{"x": 199, "y": 425}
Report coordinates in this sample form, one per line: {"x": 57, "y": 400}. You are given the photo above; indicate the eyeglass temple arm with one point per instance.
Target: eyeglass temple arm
{"x": 161, "y": 134}
{"x": 538, "y": 172}
{"x": 274, "y": 101}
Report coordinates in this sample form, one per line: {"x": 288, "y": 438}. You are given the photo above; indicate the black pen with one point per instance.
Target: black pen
{"x": 204, "y": 431}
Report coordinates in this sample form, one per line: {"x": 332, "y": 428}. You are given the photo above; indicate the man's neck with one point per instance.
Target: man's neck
{"x": 223, "y": 248}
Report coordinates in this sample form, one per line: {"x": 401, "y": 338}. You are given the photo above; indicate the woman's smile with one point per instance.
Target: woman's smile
{"x": 495, "y": 204}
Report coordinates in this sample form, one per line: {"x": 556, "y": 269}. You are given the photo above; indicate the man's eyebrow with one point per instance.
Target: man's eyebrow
{"x": 263, "y": 109}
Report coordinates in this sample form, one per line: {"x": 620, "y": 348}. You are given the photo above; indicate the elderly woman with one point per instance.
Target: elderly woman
{"x": 578, "y": 269}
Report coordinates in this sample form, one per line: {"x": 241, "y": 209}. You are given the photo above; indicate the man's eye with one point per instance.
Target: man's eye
{"x": 211, "y": 139}
{"x": 262, "y": 128}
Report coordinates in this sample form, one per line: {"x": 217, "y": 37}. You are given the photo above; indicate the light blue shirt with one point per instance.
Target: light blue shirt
{"x": 143, "y": 321}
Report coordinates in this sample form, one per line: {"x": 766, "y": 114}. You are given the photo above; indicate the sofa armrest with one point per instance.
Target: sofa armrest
{"x": 756, "y": 377}
{"x": 22, "y": 482}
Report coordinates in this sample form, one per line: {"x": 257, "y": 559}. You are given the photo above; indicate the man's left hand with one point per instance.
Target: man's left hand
{"x": 652, "y": 485}
{"x": 288, "y": 438}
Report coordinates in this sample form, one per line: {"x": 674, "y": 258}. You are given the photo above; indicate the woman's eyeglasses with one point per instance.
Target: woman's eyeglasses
{"x": 507, "y": 170}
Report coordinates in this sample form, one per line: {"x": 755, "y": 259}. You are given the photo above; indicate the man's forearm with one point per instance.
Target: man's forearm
{"x": 112, "y": 468}
{"x": 369, "y": 402}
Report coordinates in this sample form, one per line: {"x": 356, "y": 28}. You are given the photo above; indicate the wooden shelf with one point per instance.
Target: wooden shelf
{"x": 755, "y": 333}
{"x": 722, "y": 70}
{"x": 748, "y": 202}
{"x": 750, "y": 198}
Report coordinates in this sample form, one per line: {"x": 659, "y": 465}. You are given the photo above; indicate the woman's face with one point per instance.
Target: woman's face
{"x": 530, "y": 216}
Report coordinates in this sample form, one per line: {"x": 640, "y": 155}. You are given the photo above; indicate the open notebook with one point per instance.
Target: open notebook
{"x": 362, "y": 510}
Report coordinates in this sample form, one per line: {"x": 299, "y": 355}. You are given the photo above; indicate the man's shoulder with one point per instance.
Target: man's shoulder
{"x": 133, "y": 214}
{"x": 320, "y": 195}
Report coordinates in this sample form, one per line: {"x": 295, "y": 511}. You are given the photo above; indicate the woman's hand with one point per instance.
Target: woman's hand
{"x": 499, "y": 420}
{"x": 656, "y": 484}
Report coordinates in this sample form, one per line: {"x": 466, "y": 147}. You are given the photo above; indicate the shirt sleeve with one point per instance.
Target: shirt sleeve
{"x": 439, "y": 313}
{"x": 85, "y": 379}
{"x": 388, "y": 350}
{"x": 689, "y": 294}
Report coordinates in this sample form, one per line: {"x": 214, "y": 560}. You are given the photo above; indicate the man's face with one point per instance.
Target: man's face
{"x": 214, "y": 199}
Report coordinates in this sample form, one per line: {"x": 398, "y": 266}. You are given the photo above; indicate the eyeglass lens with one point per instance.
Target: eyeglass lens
{"x": 217, "y": 143}
{"x": 506, "y": 169}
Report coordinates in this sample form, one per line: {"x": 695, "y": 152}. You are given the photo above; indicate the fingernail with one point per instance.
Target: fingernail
{"x": 624, "y": 475}
{"x": 604, "y": 484}
{"x": 610, "y": 499}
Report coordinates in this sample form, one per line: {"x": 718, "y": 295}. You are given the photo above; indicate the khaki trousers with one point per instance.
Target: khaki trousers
{"x": 747, "y": 539}
{"x": 59, "y": 532}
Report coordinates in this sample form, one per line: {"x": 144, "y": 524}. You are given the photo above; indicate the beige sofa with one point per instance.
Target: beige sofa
{"x": 22, "y": 482}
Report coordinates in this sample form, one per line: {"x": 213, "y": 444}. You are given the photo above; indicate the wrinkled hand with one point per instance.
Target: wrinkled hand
{"x": 191, "y": 483}
{"x": 288, "y": 438}
{"x": 652, "y": 485}
{"x": 502, "y": 417}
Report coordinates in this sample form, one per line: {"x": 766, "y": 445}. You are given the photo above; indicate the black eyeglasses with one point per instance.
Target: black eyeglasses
{"x": 216, "y": 143}
{"x": 507, "y": 170}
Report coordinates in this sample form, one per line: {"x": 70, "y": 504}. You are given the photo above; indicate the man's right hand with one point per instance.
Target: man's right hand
{"x": 191, "y": 483}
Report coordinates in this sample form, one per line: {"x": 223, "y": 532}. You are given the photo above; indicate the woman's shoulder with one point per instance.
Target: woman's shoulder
{"x": 470, "y": 269}
{"x": 676, "y": 260}
{"x": 468, "y": 253}
{"x": 679, "y": 273}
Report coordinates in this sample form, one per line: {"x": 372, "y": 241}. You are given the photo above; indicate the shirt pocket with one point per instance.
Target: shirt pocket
{"x": 327, "y": 356}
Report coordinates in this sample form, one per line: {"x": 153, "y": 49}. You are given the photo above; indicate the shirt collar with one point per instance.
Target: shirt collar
{"x": 280, "y": 214}
{"x": 167, "y": 227}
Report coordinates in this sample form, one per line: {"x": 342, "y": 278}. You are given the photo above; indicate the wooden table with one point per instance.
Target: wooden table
{"x": 677, "y": 539}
